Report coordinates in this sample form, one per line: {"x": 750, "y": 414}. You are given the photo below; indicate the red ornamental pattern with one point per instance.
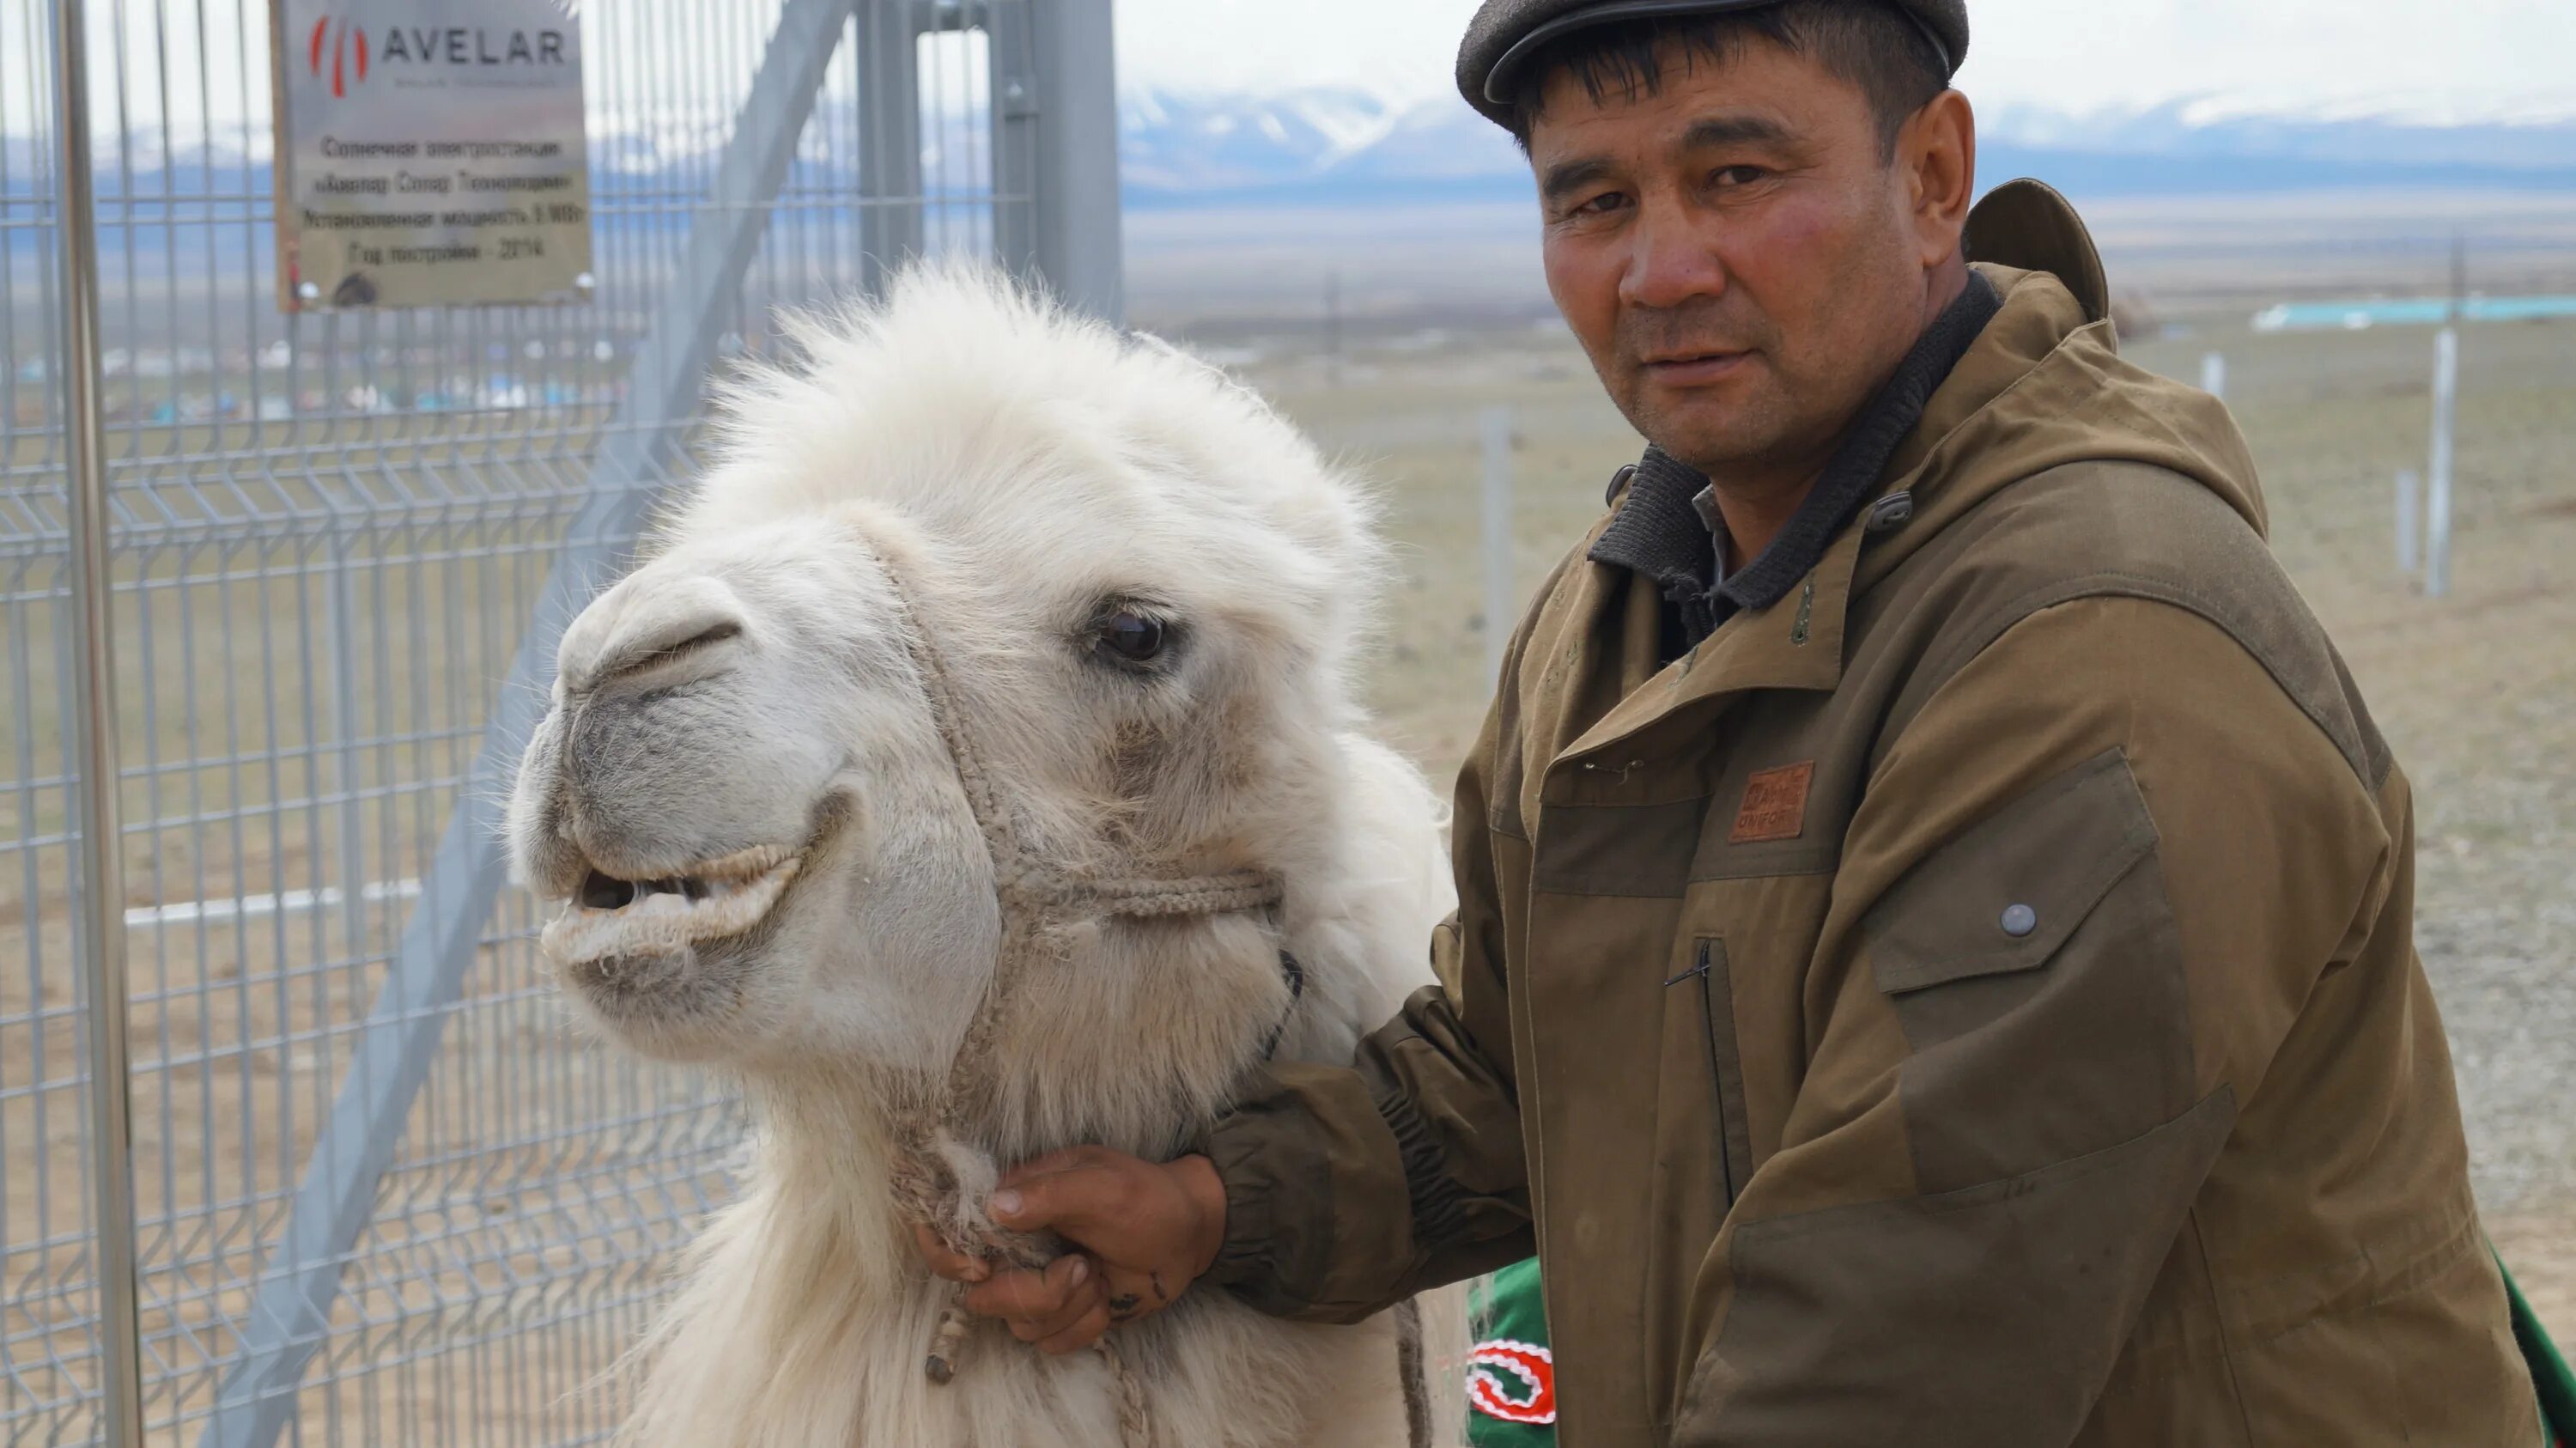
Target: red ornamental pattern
{"x": 1531, "y": 1398}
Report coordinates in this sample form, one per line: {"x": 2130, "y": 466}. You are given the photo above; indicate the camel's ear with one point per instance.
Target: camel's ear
{"x": 1165, "y": 347}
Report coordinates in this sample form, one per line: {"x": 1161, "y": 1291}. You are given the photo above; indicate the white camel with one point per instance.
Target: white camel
{"x": 961, "y": 772}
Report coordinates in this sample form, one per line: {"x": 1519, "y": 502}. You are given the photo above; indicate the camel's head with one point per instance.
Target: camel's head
{"x": 964, "y": 527}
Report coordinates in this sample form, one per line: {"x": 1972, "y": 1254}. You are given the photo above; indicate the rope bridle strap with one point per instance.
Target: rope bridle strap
{"x": 1033, "y": 896}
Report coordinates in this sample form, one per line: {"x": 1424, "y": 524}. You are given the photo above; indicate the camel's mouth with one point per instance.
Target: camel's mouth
{"x": 609, "y": 916}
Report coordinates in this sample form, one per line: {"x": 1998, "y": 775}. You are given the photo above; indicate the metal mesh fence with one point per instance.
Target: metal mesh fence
{"x": 384, "y": 1194}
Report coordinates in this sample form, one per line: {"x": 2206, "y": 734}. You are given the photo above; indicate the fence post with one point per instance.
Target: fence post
{"x": 1500, "y": 595}
{"x": 2213, "y": 373}
{"x": 100, "y": 869}
{"x": 1076, "y": 213}
{"x": 2410, "y": 521}
{"x": 2446, "y": 403}
{"x": 343, "y": 621}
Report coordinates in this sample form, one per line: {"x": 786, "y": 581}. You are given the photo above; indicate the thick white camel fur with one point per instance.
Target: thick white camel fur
{"x": 980, "y": 604}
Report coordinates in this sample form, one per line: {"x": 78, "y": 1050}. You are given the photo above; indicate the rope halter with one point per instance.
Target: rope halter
{"x": 1032, "y": 894}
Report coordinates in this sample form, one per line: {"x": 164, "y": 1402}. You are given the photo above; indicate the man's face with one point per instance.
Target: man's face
{"x": 1733, "y": 252}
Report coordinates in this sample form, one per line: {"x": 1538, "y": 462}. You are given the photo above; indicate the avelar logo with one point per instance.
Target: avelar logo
{"x": 351, "y": 45}
{"x": 419, "y": 46}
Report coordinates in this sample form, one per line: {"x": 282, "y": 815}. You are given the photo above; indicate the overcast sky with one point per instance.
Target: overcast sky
{"x": 2459, "y": 60}
{"x": 2447, "y": 59}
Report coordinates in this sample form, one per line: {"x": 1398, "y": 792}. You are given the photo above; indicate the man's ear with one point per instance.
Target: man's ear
{"x": 1937, "y": 149}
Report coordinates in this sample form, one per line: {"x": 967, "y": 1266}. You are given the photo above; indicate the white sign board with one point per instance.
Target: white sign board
{"x": 429, "y": 152}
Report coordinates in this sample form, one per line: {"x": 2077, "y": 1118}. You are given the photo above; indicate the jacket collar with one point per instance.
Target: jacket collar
{"x": 1795, "y": 644}
{"x": 2027, "y": 226}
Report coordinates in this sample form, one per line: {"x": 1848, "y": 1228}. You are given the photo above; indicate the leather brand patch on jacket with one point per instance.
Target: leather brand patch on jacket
{"x": 1775, "y": 804}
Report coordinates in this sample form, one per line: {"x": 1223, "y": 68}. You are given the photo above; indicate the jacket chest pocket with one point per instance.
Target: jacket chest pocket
{"x": 1710, "y": 996}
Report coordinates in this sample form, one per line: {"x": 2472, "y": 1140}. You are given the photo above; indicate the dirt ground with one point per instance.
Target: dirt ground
{"x": 2476, "y": 691}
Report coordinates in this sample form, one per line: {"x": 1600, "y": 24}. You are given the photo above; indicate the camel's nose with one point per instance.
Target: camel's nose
{"x": 684, "y": 626}
{"x": 669, "y": 744}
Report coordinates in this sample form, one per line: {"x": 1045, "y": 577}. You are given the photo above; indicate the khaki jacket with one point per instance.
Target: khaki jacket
{"x": 1970, "y": 1002}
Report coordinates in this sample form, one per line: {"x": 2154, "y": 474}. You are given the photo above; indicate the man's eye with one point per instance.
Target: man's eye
{"x": 1601, "y": 205}
{"x": 1737, "y": 176}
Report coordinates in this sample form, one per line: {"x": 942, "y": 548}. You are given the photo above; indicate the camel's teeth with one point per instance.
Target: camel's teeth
{"x": 666, "y": 920}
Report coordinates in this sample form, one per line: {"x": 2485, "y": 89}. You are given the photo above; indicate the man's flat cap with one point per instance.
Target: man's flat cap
{"x": 1507, "y": 35}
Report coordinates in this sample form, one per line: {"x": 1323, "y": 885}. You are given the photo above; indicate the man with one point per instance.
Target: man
{"x": 1933, "y": 961}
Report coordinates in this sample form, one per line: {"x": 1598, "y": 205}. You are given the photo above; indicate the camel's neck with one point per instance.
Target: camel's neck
{"x": 826, "y": 1145}
{"x": 1129, "y": 1033}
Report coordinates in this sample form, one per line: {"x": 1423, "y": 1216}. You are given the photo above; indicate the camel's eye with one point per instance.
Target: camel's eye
{"x": 1131, "y": 637}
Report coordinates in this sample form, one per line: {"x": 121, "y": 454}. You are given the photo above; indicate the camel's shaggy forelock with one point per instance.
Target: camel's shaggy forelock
{"x": 967, "y": 471}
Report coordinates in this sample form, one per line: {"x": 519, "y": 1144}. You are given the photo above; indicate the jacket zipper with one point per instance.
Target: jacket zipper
{"x": 1716, "y": 1081}
{"x": 1704, "y": 966}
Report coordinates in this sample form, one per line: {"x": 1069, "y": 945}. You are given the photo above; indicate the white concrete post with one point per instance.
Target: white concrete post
{"x": 2410, "y": 522}
{"x": 2213, "y": 373}
{"x": 1501, "y": 596}
{"x": 2446, "y": 406}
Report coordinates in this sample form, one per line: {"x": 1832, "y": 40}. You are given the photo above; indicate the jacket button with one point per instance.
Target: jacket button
{"x": 1618, "y": 480}
{"x": 2020, "y": 920}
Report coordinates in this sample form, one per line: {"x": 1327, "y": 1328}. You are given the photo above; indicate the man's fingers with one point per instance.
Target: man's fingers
{"x": 1084, "y": 1305}
{"x": 1069, "y": 1158}
{"x": 1066, "y": 1200}
{"x": 951, "y": 1265}
{"x": 1030, "y": 1299}
{"x": 1076, "y": 1293}
{"x": 1013, "y": 1297}
{"x": 1085, "y": 1331}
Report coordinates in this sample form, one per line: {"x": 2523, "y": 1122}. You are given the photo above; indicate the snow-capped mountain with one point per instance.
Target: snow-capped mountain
{"x": 1180, "y": 144}
{"x": 1339, "y": 146}
{"x": 1176, "y": 143}
{"x": 1320, "y": 144}
{"x": 1346, "y": 147}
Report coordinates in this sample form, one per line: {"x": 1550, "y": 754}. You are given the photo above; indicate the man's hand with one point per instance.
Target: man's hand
{"x": 1146, "y": 1233}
